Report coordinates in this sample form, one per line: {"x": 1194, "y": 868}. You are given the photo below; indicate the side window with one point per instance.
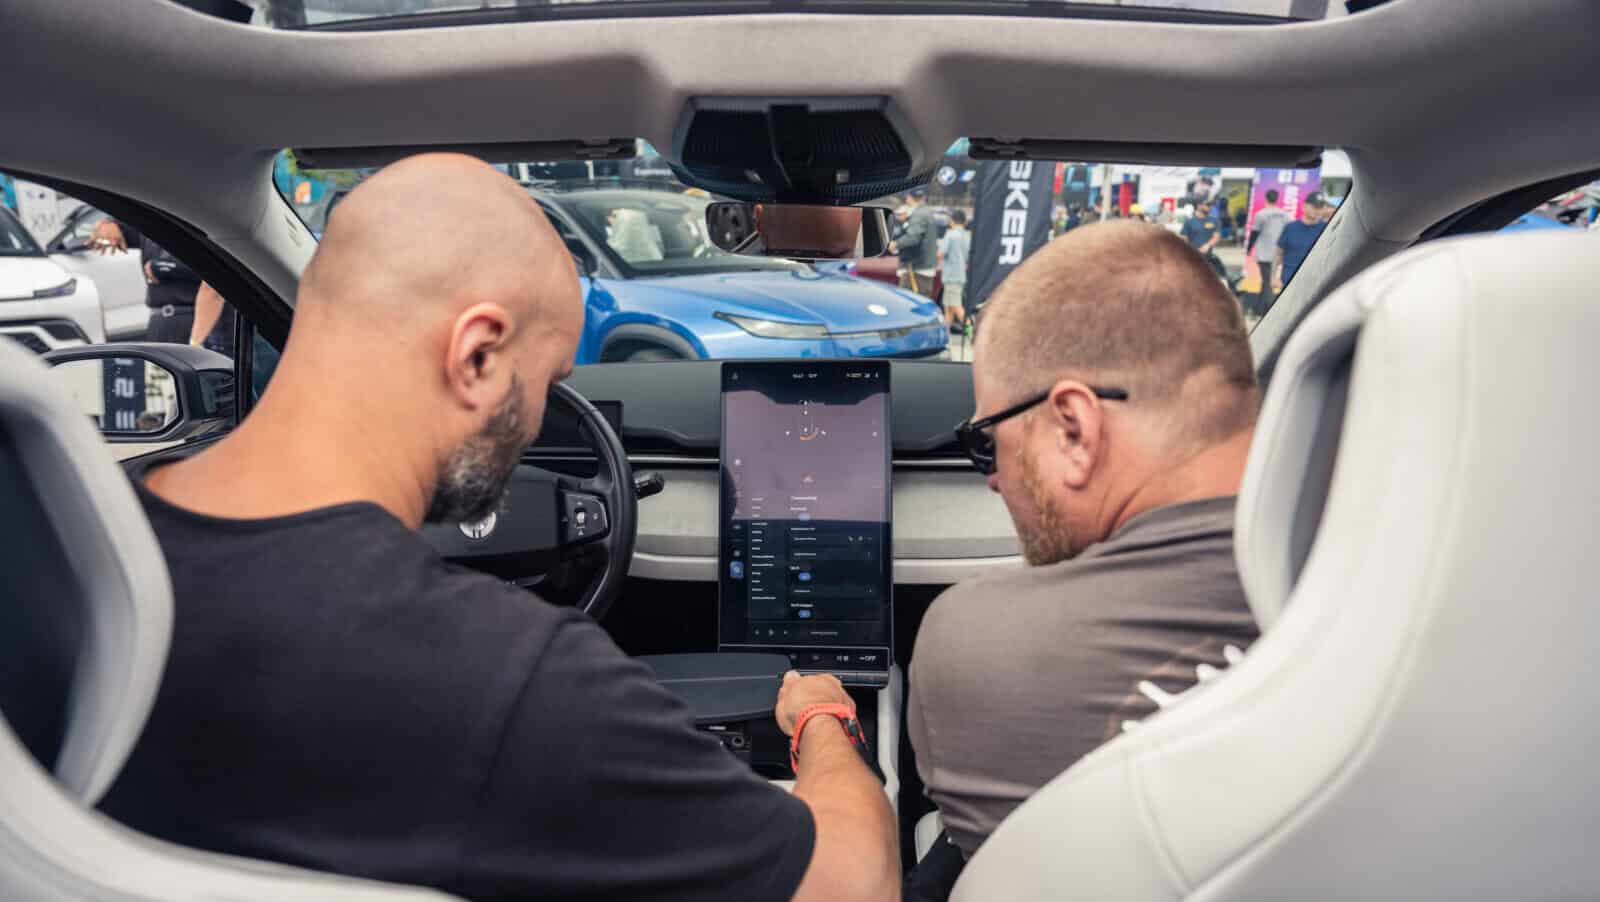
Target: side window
{"x": 73, "y": 275}
{"x": 1576, "y": 209}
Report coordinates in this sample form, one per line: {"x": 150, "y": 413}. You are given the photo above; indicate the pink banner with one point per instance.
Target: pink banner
{"x": 1293, "y": 185}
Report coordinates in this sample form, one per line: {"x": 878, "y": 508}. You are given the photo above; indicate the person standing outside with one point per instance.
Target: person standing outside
{"x": 919, "y": 246}
{"x": 1297, "y": 239}
{"x": 954, "y": 248}
{"x": 1264, "y": 241}
{"x": 1202, "y": 231}
{"x": 173, "y": 292}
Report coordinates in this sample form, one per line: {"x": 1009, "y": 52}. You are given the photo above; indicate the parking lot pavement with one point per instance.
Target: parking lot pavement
{"x": 1232, "y": 256}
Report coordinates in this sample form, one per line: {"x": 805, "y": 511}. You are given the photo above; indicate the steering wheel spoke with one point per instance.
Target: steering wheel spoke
{"x": 562, "y": 536}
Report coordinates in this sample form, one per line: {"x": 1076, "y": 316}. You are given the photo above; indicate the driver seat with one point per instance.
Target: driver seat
{"x": 87, "y": 615}
{"x": 1417, "y": 721}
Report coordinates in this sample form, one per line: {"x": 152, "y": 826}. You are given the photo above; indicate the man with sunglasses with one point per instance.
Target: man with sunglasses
{"x": 1116, "y": 397}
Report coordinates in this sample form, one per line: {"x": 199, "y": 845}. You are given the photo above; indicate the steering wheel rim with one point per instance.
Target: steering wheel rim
{"x": 613, "y": 483}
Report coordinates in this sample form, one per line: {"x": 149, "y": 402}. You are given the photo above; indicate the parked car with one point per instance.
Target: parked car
{"x": 657, "y": 289}
{"x": 43, "y": 306}
{"x": 118, "y": 275}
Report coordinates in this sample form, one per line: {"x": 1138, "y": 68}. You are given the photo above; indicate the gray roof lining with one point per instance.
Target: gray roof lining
{"x": 1440, "y": 102}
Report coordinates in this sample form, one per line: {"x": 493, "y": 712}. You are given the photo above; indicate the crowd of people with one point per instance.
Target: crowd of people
{"x": 934, "y": 246}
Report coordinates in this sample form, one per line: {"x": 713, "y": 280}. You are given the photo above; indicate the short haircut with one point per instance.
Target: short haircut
{"x": 959, "y": 217}
{"x": 1272, "y": 195}
{"x": 1127, "y": 305}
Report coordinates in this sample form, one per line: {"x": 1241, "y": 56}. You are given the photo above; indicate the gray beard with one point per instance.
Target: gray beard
{"x": 473, "y": 478}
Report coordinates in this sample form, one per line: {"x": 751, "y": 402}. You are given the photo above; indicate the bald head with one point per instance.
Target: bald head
{"x": 438, "y": 310}
{"x": 1129, "y": 305}
{"x": 431, "y": 234}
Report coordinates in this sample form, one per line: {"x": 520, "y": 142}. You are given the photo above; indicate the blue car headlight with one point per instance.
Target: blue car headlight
{"x": 768, "y": 328}
{"x": 59, "y": 291}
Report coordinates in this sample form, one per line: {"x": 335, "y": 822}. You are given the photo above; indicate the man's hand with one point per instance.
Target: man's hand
{"x": 856, "y": 857}
{"x": 1277, "y": 285}
{"x": 801, "y": 692}
{"x": 107, "y": 237}
{"x": 149, "y": 274}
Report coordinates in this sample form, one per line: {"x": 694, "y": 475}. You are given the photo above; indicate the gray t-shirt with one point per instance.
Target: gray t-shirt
{"x": 954, "y": 245}
{"x": 1017, "y": 675}
{"x": 1269, "y": 227}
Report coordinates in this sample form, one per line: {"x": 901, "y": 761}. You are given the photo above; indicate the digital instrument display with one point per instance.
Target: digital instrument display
{"x": 806, "y": 558}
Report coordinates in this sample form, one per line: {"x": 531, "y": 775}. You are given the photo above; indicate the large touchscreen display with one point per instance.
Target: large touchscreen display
{"x": 806, "y": 561}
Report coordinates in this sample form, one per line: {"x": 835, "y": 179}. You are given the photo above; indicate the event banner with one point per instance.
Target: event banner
{"x": 1292, "y": 185}
{"x": 1010, "y": 220}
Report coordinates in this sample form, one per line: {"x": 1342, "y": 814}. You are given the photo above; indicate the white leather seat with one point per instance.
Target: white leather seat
{"x": 84, "y": 626}
{"x": 1419, "y": 720}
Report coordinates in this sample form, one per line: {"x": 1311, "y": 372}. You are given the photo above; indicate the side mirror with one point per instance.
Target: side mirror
{"x": 148, "y": 392}
{"x": 802, "y": 231}
{"x": 75, "y": 244}
{"x": 582, "y": 257}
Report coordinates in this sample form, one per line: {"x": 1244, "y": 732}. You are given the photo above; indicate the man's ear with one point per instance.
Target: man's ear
{"x": 477, "y": 367}
{"x": 1076, "y": 421}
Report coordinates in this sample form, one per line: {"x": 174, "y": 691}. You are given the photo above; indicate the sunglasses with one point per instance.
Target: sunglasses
{"x": 978, "y": 442}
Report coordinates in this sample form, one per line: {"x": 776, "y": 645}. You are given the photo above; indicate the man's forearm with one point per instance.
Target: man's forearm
{"x": 857, "y": 856}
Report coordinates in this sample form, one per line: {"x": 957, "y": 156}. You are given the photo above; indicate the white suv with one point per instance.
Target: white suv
{"x": 42, "y": 306}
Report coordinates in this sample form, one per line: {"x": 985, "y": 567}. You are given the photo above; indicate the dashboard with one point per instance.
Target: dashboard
{"x": 946, "y": 525}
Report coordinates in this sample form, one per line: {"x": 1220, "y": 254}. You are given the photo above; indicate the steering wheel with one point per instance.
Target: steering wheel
{"x": 553, "y": 529}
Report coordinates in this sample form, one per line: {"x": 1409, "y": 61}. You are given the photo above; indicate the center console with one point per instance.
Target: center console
{"x": 805, "y": 565}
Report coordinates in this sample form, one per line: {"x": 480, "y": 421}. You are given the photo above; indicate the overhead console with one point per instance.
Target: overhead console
{"x": 805, "y": 151}
{"x": 804, "y": 535}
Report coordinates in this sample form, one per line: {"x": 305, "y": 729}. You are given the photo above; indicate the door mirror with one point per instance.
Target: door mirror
{"x": 801, "y": 231}
{"x": 74, "y": 244}
{"x": 142, "y": 392}
{"x": 582, "y": 257}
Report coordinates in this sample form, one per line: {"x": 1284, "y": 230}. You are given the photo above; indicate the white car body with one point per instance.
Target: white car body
{"x": 47, "y": 323}
{"x": 118, "y": 275}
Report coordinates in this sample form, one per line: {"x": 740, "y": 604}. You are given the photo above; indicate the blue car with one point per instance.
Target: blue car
{"x": 656, "y": 289}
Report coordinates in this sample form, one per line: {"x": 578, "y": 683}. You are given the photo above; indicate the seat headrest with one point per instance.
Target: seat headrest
{"x": 1466, "y": 281}
{"x": 95, "y": 583}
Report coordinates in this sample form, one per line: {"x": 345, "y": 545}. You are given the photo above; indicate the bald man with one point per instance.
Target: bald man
{"x": 338, "y": 697}
{"x": 1115, "y": 400}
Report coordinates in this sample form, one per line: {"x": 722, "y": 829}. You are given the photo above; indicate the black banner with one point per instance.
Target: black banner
{"x": 122, "y": 380}
{"x": 1010, "y": 220}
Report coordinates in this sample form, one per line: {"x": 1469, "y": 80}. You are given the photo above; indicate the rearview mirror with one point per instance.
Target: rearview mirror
{"x": 798, "y": 230}
{"x": 145, "y": 392}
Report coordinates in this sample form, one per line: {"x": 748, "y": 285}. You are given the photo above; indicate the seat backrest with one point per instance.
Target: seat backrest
{"x": 83, "y": 639}
{"x": 88, "y": 608}
{"x": 1418, "y": 722}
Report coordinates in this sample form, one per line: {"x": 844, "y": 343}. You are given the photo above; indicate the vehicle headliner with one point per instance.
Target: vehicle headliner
{"x": 1439, "y": 103}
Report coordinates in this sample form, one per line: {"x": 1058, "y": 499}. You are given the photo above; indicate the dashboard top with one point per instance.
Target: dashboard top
{"x": 674, "y": 407}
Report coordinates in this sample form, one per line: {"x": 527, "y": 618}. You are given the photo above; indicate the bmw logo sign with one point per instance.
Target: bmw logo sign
{"x": 479, "y": 529}
{"x": 878, "y": 309}
{"x": 946, "y": 175}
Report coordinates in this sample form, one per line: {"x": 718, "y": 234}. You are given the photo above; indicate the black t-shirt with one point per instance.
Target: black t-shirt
{"x": 338, "y": 697}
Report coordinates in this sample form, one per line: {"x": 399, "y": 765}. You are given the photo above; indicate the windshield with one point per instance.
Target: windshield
{"x": 314, "y": 13}
{"x": 657, "y": 232}
{"x": 14, "y": 239}
{"x": 655, "y": 288}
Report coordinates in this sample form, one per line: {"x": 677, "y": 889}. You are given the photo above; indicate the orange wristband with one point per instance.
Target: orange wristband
{"x": 847, "y": 719}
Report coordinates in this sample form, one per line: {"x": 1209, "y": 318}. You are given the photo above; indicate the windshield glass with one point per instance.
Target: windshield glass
{"x": 313, "y": 13}
{"x": 14, "y": 239}
{"x": 655, "y": 288}
{"x": 656, "y": 232}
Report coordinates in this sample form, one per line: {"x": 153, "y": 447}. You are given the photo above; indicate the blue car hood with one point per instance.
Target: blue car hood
{"x": 842, "y": 303}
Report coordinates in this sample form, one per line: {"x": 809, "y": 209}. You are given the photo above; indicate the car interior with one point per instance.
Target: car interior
{"x": 1411, "y": 723}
